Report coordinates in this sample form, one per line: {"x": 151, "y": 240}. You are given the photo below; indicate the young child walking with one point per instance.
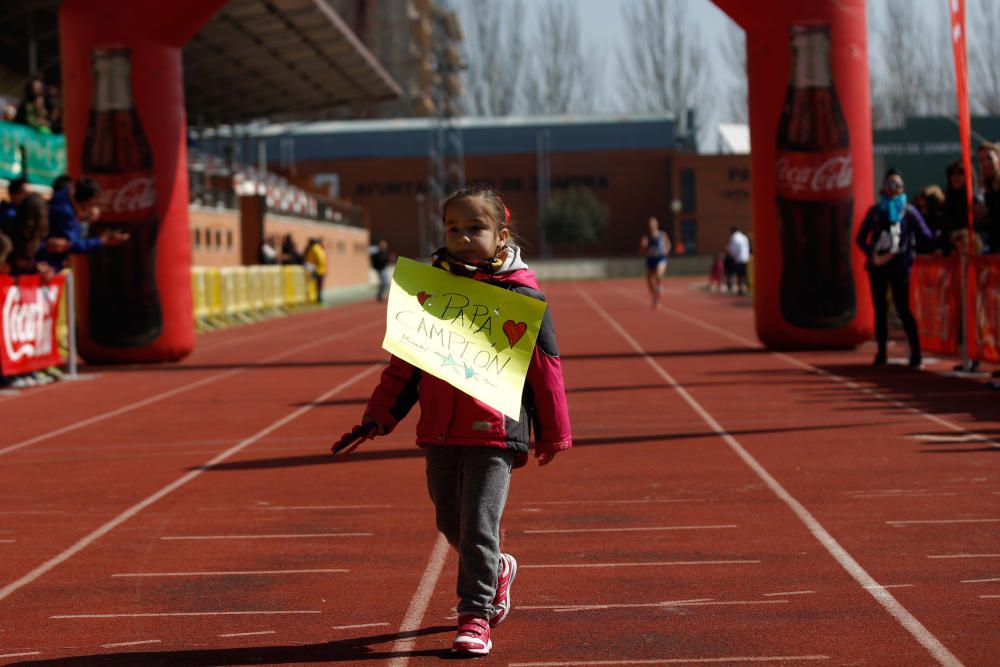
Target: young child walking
{"x": 470, "y": 447}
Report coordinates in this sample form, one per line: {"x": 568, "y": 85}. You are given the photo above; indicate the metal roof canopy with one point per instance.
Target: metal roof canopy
{"x": 287, "y": 59}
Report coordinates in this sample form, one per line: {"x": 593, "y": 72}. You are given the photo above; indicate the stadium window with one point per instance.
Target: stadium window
{"x": 341, "y": 247}
{"x": 218, "y": 238}
{"x": 229, "y": 239}
{"x": 197, "y": 237}
{"x": 687, "y": 190}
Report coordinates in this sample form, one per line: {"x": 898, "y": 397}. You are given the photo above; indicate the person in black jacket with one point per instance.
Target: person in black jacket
{"x": 888, "y": 238}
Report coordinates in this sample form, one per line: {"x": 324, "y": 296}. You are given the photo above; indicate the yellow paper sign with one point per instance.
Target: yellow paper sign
{"x": 479, "y": 338}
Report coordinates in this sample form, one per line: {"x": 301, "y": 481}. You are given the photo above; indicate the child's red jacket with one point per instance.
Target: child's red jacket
{"x": 449, "y": 416}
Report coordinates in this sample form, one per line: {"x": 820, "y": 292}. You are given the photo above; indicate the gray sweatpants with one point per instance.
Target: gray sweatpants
{"x": 469, "y": 488}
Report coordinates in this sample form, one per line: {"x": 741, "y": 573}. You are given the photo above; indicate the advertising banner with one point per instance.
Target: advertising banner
{"x": 476, "y": 337}
{"x": 28, "y": 323}
{"x": 45, "y": 154}
{"x": 935, "y": 295}
{"x": 985, "y": 341}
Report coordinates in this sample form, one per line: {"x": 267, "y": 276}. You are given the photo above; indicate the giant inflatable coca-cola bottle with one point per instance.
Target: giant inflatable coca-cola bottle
{"x": 124, "y": 305}
{"x": 815, "y": 190}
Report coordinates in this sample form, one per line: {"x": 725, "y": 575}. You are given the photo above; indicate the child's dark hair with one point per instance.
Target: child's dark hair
{"x": 86, "y": 190}
{"x": 490, "y": 198}
{"x": 32, "y": 224}
{"x": 499, "y": 213}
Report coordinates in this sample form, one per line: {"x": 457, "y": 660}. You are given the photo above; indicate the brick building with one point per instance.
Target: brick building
{"x": 632, "y": 165}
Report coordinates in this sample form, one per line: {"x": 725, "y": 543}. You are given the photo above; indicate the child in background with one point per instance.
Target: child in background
{"x": 471, "y": 448}
{"x": 716, "y": 272}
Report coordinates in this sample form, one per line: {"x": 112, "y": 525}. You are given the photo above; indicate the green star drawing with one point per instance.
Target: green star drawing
{"x": 447, "y": 361}
{"x": 469, "y": 373}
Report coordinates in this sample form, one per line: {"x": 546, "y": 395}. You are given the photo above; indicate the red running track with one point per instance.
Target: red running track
{"x": 723, "y": 505}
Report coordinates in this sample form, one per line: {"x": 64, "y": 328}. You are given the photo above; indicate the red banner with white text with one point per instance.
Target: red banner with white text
{"x": 28, "y": 323}
{"x": 935, "y": 295}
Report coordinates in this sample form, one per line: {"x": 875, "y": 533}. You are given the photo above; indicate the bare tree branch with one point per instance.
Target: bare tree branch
{"x": 984, "y": 56}
{"x": 561, "y": 78}
{"x": 494, "y": 42}
{"x": 734, "y": 55}
{"x": 664, "y": 65}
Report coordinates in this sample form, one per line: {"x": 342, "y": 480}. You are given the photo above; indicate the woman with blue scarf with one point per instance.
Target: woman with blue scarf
{"x": 888, "y": 239}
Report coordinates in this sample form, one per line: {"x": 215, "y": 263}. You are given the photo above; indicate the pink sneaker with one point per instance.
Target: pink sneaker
{"x": 501, "y": 601}
{"x": 473, "y": 636}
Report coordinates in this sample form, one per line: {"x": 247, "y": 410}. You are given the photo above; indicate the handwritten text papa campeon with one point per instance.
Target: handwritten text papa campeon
{"x": 472, "y": 339}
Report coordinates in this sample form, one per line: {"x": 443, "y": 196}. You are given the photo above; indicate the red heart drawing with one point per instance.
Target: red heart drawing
{"x": 514, "y": 331}
{"x": 423, "y": 296}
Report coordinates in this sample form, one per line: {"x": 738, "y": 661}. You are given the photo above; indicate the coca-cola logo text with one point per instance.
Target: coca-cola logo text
{"x": 131, "y": 197}
{"x": 810, "y": 177}
{"x": 27, "y": 325}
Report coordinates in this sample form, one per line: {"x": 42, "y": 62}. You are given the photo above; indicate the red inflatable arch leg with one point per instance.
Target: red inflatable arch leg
{"x": 125, "y": 127}
{"x": 811, "y": 165}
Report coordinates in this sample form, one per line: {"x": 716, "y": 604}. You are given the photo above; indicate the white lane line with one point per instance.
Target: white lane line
{"x": 138, "y": 643}
{"x": 790, "y": 593}
{"x": 677, "y": 661}
{"x": 7, "y": 541}
{"x": 972, "y": 435}
{"x": 188, "y": 613}
{"x": 990, "y": 597}
{"x": 287, "y": 536}
{"x": 106, "y": 528}
{"x": 358, "y": 625}
{"x": 665, "y": 603}
{"x": 19, "y": 655}
{"x": 641, "y": 564}
{"x": 418, "y": 604}
{"x": 624, "y": 530}
{"x": 34, "y": 512}
{"x": 226, "y": 573}
{"x": 891, "y": 586}
{"x": 980, "y": 581}
{"x": 249, "y": 634}
{"x": 173, "y": 392}
{"x": 291, "y": 508}
{"x": 914, "y": 494}
{"x": 965, "y": 556}
{"x": 641, "y": 501}
{"x": 931, "y": 643}
{"x": 939, "y": 521}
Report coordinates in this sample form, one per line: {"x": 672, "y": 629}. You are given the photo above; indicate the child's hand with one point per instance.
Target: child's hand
{"x": 350, "y": 440}
{"x": 545, "y": 458}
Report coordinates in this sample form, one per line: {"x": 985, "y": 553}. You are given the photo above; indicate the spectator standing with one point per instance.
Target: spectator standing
{"x": 380, "y": 262}
{"x": 17, "y": 190}
{"x": 315, "y": 259}
{"x": 267, "y": 254}
{"x": 930, "y": 204}
{"x": 956, "y": 206}
{"x": 989, "y": 172}
{"x": 738, "y": 250}
{"x": 888, "y": 239}
{"x": 71, "y": 207}
{"x": 655, "y": 245}
{"x": 289, "y": 253}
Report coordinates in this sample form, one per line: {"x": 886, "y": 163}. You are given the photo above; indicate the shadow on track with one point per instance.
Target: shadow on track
{"x": 358, "y": 648}
{"x": 417, "y": 452}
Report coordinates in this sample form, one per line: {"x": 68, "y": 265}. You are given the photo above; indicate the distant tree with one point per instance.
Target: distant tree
{"x": 910, "y": 66}
{"x": 664, "y": 65}
{"x": 574, "y": 216}
{"x": 734, "y": 56}
{"x": 984, "y": 56}
{"x": 560, "y": 79}
{"x": 495, "y": 49}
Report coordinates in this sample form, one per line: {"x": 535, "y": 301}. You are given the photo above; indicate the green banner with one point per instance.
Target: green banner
{"x": 26, "y": 152}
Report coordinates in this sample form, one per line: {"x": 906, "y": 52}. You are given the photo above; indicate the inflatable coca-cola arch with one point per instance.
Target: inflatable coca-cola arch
{"x": 145, "y": 37}
{"x": 811, "y": 166}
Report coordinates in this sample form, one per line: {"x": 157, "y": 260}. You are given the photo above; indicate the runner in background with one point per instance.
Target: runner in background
{"x": 655, "y": 246}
